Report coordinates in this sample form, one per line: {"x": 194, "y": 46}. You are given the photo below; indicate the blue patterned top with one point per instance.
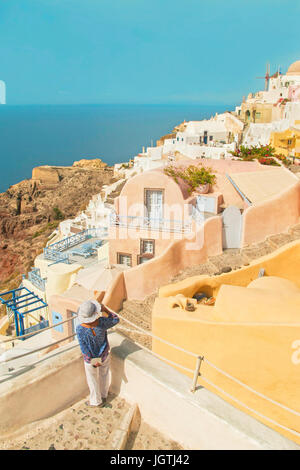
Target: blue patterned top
{"x": 96, "y": 344}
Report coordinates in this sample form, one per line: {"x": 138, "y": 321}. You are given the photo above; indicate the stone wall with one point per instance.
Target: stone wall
{"x": 45, "y": 174}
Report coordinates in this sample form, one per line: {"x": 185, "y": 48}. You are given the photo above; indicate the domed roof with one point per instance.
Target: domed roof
{"x": 294, "y": 69}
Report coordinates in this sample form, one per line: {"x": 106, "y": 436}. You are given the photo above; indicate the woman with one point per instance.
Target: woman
{"x": 92, "y": 337}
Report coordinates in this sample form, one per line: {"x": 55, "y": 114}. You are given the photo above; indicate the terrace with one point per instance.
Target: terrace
{"x": 79, "y": 248}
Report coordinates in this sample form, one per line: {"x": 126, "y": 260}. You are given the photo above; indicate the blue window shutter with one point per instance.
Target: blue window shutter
{"x": 57, "y": 318}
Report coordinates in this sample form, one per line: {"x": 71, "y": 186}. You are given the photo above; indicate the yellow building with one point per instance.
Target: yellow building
{"x": 250, "y": 338}
{"x": 287, "y": 142}
{"x": 257, "y": 112}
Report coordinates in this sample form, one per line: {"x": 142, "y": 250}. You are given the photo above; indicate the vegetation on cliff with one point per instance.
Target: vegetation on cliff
{"x": 32, "y": 209}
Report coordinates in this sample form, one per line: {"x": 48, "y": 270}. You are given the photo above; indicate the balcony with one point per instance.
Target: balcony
{"x": 34, "y": 276}
{"x": 147, "y": 223}
{"x": 58, "y": 252}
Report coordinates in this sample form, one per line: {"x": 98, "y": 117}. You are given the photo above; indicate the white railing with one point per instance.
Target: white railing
{"x": 150, "y": 223}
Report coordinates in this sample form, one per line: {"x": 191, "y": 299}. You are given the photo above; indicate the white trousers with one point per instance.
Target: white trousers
{"x": 98, "y": 379}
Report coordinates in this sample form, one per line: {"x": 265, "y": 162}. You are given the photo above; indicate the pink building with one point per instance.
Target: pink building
{"x": 151, "y": 212}
{"x": 153, "y": 209}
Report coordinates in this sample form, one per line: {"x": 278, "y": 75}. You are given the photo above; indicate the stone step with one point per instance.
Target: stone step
{"x": 229, "y": 259}
{"x": 137, "y": 316}
{"x": 207, "y": 268}
{"x": 256, "y": 251}
{"x": 148, "y": 438}
{"x": 109, "y": 200}
{"x": 295, "y": 231}
{"x": 276, "y": 241}
{"x": 76, "y": 428}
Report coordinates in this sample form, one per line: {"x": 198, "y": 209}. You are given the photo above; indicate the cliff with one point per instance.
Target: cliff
{"x": 32, "y": 209}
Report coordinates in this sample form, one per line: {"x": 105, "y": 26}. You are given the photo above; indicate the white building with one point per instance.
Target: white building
{"x": 282, "y": 90}
{"x": 213, "y": 138}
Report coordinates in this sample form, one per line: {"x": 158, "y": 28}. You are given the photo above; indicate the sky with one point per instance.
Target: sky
{"x": 143, "y": 51}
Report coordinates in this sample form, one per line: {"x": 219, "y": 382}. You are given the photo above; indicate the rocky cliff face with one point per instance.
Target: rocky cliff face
{"x": 32, "y": 209}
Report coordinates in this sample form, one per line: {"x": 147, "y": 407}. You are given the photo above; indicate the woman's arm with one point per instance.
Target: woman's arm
{"x": 83, "y": 346}
{"x": 111, "y": 320}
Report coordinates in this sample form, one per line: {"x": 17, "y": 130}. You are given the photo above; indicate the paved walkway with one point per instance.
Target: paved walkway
{"x": 85, "y": 428}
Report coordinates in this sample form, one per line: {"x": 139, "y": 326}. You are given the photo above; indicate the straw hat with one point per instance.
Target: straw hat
{"x": 89, "y": 311}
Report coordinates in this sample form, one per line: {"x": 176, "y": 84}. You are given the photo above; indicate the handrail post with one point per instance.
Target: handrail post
{"x": 196, "y": 373}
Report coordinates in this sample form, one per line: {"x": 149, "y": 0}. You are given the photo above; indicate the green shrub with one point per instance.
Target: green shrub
{"x": 58, "y": 215}
{"x": 193, "y": 175}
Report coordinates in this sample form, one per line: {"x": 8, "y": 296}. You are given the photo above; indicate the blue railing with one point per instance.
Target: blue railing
{"x": 150, "y": 223}
{"x": 34, "y": 276}
{"x": 54, "y": 251}
{"x": 16, "y": 301}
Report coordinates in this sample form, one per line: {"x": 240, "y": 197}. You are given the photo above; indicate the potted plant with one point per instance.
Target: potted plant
{"x": 198, "y": 178}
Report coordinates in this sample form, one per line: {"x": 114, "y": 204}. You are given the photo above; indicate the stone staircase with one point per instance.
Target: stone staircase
{"x": 112, "y": 196}
{"x": 117, "y": 427}
{"x": 236, "y": 258}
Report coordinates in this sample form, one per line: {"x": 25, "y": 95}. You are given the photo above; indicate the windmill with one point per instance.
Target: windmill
{"x": 266, "y": 77}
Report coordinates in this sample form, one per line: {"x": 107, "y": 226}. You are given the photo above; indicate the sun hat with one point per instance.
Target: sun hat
{"x": 89, "y": 311}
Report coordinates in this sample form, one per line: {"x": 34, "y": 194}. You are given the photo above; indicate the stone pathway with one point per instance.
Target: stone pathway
{"x": 148, "y": 438}
{"x": 83, "y": 428}
{"x": 76, "y": 428}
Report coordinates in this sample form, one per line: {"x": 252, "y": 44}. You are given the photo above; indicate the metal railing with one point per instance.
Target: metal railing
{"x": 150, "y": 223}
{"x": 196, "y": 372}
{"x": 34, "y": 276}
{"x": 54, "y": 251}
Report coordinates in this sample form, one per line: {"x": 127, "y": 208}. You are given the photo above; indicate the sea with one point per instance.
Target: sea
{"x": 61, "y": 134}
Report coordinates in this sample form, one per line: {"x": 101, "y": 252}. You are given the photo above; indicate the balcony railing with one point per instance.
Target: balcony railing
{"x": 54, "y": 251}
{"x": 149, "y": 223}
{"x": 34, "y": 276}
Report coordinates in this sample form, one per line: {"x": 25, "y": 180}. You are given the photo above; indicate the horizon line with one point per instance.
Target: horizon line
{"x": 120, "y": 104}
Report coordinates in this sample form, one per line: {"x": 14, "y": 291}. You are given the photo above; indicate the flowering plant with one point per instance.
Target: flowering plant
{"x": 264, "y": 154}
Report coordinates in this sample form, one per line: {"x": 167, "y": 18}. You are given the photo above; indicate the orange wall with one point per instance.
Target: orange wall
{"x": 273, "y": 216}
{"x": 131, "y": 245}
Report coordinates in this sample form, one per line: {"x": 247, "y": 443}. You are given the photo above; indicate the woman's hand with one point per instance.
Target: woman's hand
{"x": 98, "y": 295}
{"x": 97, "y": 364}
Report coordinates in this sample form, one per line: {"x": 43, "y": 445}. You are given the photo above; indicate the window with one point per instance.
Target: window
{"x": 154, "y": 203}
{"x": 147, "y": 247}
{"x": 124, "y": 259}
{"x": 142, "y": 259}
